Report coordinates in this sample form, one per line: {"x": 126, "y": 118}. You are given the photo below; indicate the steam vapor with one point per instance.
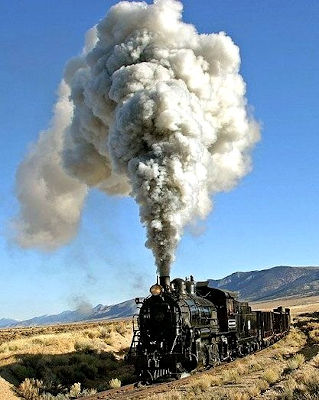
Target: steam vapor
{"x": 81, "y": 305}
{"x": 150, "y": 109}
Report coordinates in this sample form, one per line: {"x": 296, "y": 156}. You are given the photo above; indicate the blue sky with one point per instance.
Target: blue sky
{"x": 270, "y": 219}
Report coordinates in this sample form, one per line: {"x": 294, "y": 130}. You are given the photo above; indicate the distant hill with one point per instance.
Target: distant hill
{"x": 7, "y": 322}
{"x": 272, "y": 283}
{"x": 282, "y": 281}
{"x": 121, "y": 310}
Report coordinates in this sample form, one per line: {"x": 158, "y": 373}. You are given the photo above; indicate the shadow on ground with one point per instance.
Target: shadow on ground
{"x": 90, "y": 368}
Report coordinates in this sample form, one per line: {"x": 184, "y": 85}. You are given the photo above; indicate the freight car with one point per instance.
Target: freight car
{"x": 183, "y": 326}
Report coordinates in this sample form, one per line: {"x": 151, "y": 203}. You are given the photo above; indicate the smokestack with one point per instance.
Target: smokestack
{"x": 165, "y": 282}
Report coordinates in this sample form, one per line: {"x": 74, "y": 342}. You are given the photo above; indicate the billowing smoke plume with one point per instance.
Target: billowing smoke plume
{"x": 50, "y": 200}
{"x": 156, "y": 111}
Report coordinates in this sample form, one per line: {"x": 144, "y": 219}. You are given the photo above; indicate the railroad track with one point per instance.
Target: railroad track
{"x": 131, "y": 392}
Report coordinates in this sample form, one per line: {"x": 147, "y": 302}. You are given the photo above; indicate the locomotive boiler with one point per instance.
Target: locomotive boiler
{"x": 185, "y": 325}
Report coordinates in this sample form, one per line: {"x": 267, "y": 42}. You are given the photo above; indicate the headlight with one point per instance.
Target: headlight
{"x": 156, "y": 290}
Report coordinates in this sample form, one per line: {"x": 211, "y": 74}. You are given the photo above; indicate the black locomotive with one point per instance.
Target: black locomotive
{"x": 182, "y": 326}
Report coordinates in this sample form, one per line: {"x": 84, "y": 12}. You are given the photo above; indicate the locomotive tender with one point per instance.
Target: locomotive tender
{"x": 182, "y": 326}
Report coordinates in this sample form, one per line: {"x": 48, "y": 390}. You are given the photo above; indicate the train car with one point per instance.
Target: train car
{"x": 183, "y": 326}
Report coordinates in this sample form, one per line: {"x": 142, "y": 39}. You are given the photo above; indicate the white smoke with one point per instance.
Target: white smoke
{"x": 50, "y": 200}
{"x": 81, "y": 304}
{"x": 156, "y": 111}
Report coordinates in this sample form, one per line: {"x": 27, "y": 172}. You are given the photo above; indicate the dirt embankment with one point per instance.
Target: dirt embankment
{"x": 7, "y": 391}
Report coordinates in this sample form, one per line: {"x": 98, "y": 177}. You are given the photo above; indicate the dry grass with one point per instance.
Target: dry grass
{"x": 314, "y": 334}
{"x": 115, "y": 383}
{"x": 104, "y": 336}
{"x": 56, "y": 363}
{"x": 92, "y": 355}
{"x": 172, "y": 395}
{"x": 295, "y": 362}
{"x": 272, "y": 375}
{"x": 300, "y": 378}
{"x": 267, "y": 374}
{"x": 34, "y": 389}
{"x": 297, "y": 305}
{"x": 301, "y": 385}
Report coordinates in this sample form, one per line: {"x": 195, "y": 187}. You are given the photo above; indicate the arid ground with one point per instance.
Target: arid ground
{"x": 78, "y": 360}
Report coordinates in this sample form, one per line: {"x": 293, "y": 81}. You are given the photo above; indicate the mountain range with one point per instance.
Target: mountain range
{"x": 121, "y": 310}
{"x": 267, "y": 284}
{"x": 272, "y": 283}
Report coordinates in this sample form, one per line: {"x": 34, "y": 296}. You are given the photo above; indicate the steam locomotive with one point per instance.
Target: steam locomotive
{"x": 183, "y": 326}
